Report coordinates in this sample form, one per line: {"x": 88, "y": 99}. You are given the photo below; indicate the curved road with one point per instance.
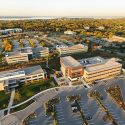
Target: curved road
{"x": 42, "y": 97}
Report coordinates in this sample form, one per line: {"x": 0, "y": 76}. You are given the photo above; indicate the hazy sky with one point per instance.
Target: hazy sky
{"x": 62, "y": 7}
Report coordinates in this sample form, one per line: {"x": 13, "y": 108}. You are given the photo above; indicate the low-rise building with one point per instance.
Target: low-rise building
{"x": 69, "y": 32}
{"x": 89, "y": 69}
{"x": 115, "y": 39}
{"x": 13, "y": 78}
{"x": 61, "y": 46}
{"x": 71, "y": 68}
{"x": 41, "y": 52}
{"x": 73, "y": 49}
{"x": 22, "y": 55}
{"x": 97, "y": 68}
{"x": 101, "y": 27}
{"x": 10, "y": 31}
{"x": 26, "y": 54}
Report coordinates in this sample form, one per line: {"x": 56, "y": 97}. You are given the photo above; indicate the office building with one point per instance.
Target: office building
{"x": 41, "y": 52}
{"x": 71, "y": 68}
{"x": 89, "y": 69}
{"x": 10, "y": 31}
{"x": 73, "y": 49}
{"x": 70, "y": 33}
{"x": 97, "y": 68}
{"x": 13, "y": 78}
{"x": 26, "y": 54}
{"x": 22, "y": 55}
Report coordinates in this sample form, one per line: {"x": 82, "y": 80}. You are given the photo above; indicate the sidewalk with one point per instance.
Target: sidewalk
{"x": 11, "y": 100}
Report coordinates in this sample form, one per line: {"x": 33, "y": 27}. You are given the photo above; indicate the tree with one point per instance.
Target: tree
{"x": 17, "y": 96}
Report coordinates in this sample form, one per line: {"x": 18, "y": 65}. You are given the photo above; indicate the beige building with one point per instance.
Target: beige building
{"x": 22, "y": 55}
{"x": 16, "y": 57}
{"x": 97, "y": 68}
{"x": 71, "y": 68}
{"x": 11, "y": 79}
{"x": 26, "y": 54}
{"x": 115, "y": 39}
{"x": 41, "y": 51}
{"x": 73, "y": 49}
{"x": 90, "y": 69}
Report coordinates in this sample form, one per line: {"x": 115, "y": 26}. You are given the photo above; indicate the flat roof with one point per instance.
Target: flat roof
{"x": 70, "y": 61}
{"x": 98, "y": 63}
{"x": 26, "y": 71}
{"x": 40, "y": 48}
{"x": 25, "y": 50}
{"x": 92, "y": 61}
{"x": 33, "y": 70}
{"x": 78, "y": 46}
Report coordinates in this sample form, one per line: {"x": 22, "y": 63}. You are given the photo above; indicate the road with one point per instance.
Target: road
{"x": 65, "y": 115}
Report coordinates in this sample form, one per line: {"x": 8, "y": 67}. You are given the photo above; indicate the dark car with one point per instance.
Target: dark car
{"x": 101, "y": 97}
{"x": 89, "y": 117}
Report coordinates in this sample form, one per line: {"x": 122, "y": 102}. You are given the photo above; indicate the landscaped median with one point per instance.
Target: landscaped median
{"x": 76, "y": 107}
{"x": 51, "y": 110}
{"x": 96, "y": 95}
{"x": 116, "y": 95}
{"x": 30, "y": 117}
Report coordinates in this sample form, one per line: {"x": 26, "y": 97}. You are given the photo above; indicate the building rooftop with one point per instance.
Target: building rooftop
{"x": 98, "y": 63}
{"x": 33, "y": 70}
{"x": 92, "y": 61}
{"x": 24, "y": 71}
{"x": 78, "y": 46}
{"x": 27, "y": 50}
{"x": 68, "y": 61}
{"x": 11, "y": 73}
{"x": 38, "y": 49}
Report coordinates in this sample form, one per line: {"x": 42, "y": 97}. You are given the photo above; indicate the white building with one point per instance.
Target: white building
{"x": 69, "y": 32}
{"x": 73, "y": 49}
{"x": 61, "y": 46}
{"x": 11, "y": 79}
{"x": 86, "y": 27}
{"x": 41, "y": 52}
{"x": 101, "y": 27}
{"x": 10, "y": 31}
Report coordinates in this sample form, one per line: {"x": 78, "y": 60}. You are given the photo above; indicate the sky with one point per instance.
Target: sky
{"x": 62, "y": 8}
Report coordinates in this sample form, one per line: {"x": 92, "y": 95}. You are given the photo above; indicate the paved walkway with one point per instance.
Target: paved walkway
{"x": 1, "y": 113}
{"x": 11, "y": 100}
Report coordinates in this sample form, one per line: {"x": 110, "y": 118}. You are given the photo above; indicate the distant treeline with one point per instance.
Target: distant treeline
{"x": 112, "y": 26}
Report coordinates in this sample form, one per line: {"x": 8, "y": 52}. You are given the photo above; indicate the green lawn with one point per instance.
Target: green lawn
{"x": 27, "y": 91}
{"x": 4, "y": 100}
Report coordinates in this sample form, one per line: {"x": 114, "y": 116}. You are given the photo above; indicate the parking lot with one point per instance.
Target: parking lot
{"x": 90, "y": 108}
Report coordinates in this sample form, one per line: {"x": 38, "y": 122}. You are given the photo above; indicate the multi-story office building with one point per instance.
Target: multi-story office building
{"x": 90, "y": 69}
{"x": 26, "y": 54}
{"x": 71, "y": 68}
{"x": 22, "y": 55}
{"x": 97, "y": 68}
{"x": 73, "y": 49}
{"x": 10, "y": 31}
{"x": 11, "y": 79}
{"x": 41, "y": 52}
